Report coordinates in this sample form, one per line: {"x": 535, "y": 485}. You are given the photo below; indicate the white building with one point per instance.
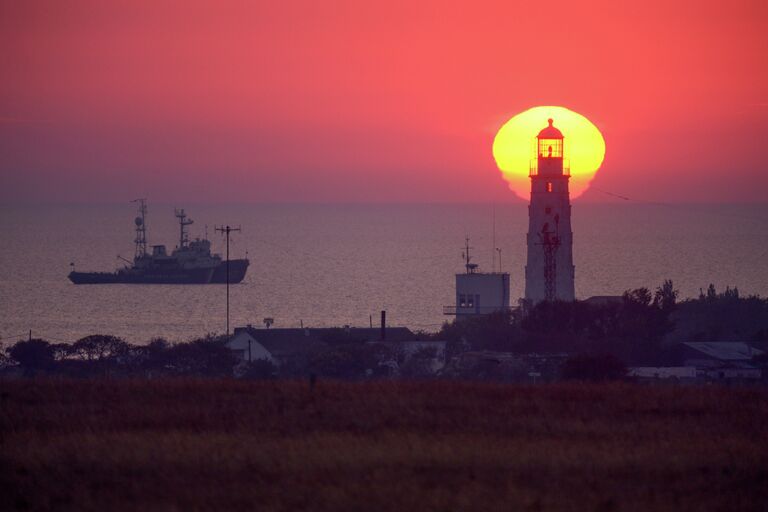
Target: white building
{"x": 274, "y": 345}
{"x": 670, "y": 373}
{"x": 549, "y": 271}
{"x": 479, "y": 293}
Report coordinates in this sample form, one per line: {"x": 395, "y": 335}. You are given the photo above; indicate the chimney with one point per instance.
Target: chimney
{"x": 383, "y": 325}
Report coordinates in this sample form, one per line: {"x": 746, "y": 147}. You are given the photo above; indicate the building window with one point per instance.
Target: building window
{"x": 548, "y": 210}
{"x": 549, "y": 186}
{"x": 470, "y": 301}
{"x": 462, "y": 301}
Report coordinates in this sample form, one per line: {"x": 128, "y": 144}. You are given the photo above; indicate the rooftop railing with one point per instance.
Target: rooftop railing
{"x": 534, "y": 168}
{"x": 475, "y": 310}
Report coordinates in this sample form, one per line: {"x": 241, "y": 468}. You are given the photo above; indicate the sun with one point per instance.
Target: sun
{"x": 513, "y": 147}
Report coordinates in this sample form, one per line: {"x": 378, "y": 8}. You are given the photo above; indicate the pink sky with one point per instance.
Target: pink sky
{"x": 372, "y": 101}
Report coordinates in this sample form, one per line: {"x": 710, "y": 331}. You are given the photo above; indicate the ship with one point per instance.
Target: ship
{"x": 191, "y": 262}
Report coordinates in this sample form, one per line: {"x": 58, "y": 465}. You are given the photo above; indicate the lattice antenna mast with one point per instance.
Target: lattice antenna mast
{"x": 550, "y": 242}
{"x": 141, "y": 229}
{"x": 227, "y": 230}
{"x": 184, "y": 221}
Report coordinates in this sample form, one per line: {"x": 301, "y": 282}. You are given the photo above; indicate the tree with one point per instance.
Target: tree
{"x": 99, "y": 347}
{"x": 33, "y": 356}
{"x": 638, "y": 297}
{"x": 61, "y": 351}
{"x": 666, "y": 296}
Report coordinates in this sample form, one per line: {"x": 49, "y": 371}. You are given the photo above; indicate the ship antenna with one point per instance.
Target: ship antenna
{"x": 183, "y": 223}
{"x": 227, "y": 230}
{"x": 141, "y": 229}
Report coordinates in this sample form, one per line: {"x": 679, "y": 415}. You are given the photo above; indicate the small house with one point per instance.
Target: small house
{"x": 722, "y": 360}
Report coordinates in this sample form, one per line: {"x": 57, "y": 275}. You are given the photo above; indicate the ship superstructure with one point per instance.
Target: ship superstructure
{"x": 191, "y": 262}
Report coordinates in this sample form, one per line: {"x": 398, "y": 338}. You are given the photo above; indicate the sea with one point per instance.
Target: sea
{"x": 326, "y": 265}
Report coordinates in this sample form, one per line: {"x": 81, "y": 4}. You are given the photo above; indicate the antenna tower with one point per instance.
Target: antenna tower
{"x": 183, "y": 223}
{"x": 141, "y": 229}
{"x": 550, "y": 242}
{"x": 227, "y": 230}
{"x": 471, "y": 267}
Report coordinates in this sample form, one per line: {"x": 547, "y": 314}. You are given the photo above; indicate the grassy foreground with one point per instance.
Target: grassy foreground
{"x": 227, "y": 445}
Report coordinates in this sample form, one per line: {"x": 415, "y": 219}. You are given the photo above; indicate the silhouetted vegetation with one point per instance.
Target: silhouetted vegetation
{"x": 632, "y": 329}
{"x": 34, "y": 356}
{"x": 594, "y": 368}
{"x": 108, "y": 356}
{"x": 640, "y": 328}
{"x": 351, "y": 361}
{"x": 721, "y": 316}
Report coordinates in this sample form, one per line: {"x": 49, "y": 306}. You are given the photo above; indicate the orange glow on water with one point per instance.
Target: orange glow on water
{"x": 584, "y": 147}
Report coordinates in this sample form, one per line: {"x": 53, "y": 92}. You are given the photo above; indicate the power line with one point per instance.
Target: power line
{"x": 707, "y": 211}
{"x": 13, "y": 336}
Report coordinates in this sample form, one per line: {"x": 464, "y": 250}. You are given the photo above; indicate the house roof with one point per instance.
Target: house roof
{"x": 291, "y": 341}
{"x": 725, "y": 350}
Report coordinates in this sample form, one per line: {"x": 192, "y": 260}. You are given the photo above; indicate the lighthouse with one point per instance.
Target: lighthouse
{"x": 549, "y": 270}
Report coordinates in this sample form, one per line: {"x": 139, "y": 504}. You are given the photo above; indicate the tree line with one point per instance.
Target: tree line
{"x": 643, "y": 328}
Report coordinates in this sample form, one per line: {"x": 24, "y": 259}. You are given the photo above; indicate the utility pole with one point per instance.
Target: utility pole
{"x": 227, "y": 230}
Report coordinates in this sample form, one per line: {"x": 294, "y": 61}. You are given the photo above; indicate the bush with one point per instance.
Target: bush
{"x": 594, "y": 368}
{"x": 260, "y": 369}
{"x": 354, "y": 361}
{"x": 204, "y": 357}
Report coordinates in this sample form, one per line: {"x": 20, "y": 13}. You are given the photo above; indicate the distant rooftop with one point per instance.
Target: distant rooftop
{"x": 725, "y": 350}
{"x": 278, "y": 340}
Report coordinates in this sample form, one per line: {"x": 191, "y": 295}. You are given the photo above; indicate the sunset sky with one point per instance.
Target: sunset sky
{"x": 368, "y": 101}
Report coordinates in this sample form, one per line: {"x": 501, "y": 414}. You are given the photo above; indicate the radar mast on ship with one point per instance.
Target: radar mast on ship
{"x": 141, "y": 229}
{"x": 183, "y": 223}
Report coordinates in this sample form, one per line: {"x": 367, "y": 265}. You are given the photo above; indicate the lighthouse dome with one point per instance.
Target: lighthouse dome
{"x": 550, "y": 132}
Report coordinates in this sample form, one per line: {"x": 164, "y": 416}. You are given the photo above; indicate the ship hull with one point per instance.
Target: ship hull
{"x": 191, "y": 276}
{"x": 237, "y": 270}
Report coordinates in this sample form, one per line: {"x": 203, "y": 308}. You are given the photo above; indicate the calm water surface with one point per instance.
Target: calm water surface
{"x": 327, "y": 265}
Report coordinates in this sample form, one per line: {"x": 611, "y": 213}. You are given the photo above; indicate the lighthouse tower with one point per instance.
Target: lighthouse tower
{"x": 549, "y": 271}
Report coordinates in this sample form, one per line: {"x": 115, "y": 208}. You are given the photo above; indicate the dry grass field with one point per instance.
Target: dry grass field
{"x": 228, "y": 445}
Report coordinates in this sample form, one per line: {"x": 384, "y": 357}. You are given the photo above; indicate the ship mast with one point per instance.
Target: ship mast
{"x": 183, "y": 223}
{"x": 141, "y": 229}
